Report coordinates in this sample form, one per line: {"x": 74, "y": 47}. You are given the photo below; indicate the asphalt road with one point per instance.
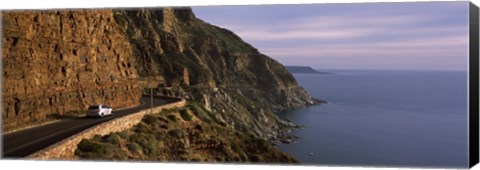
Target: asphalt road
{"x": 22, "y": 143}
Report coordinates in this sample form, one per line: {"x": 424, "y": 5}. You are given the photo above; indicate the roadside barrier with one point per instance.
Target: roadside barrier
{"x": 64, "y": 150}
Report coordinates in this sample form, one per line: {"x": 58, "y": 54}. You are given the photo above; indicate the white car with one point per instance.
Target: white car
{"x": 99, "y": 110}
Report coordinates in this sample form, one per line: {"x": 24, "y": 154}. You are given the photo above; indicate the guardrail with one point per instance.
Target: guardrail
{"x": 64, "y": 150}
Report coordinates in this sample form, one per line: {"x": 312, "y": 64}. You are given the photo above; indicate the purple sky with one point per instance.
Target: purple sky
{"x": 415, "y": 35}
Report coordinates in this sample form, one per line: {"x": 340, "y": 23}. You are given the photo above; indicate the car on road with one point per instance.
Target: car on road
{"x": 100, "y": 110}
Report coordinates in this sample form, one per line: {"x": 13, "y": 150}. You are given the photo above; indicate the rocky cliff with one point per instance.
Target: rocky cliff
{"x": 55, "y": 62}
{"x": 206, "y": 63}
{"x": 59, "y": 61}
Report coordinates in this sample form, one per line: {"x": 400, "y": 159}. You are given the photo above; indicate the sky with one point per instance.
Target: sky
{"x": 380, "y": 36}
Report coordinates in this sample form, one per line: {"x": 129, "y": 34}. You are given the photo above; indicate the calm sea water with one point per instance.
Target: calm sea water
{"x": 383, "y": 118}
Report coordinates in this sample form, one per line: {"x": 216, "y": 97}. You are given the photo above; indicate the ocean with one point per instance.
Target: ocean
{"x": 383, "y": 119}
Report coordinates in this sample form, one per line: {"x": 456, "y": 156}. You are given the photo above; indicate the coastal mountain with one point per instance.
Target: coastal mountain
{"x": 303, "y": 70}
{"x": 58, "y": 62}
{"x": 211, "y": 65}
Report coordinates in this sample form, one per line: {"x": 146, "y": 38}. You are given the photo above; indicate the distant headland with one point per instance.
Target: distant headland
{"x": 303, "y": 70}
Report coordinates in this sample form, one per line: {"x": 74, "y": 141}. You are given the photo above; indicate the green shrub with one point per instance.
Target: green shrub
{"x": 176, "y": 133}
{"x": 236, "y": 148}
{"x": 150, "y": 119}
{"x": 90, "y": 146}
{"x": 142, "y": 128}
{"x": 147, "y": 143}
{"x": 139, "y": 138}
{"x": 265, "y": 144}
{"x": 150, "y": 149}
{"x": 113, "y": 138}
{"x": 91, "y": 149}
{"x": 133, "y": 147}
{"x": 172, "y": 118}
{"x": 185, "y": 115}
{"x": 123, "y": 134}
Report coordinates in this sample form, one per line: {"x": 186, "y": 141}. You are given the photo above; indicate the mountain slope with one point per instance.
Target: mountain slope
{"x": 57, "y": 62}
{"x": 212, "y": 65}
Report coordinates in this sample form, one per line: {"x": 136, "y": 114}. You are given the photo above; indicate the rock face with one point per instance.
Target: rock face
{"x": 60, "y": 61}
{"x": 212, "y": 65}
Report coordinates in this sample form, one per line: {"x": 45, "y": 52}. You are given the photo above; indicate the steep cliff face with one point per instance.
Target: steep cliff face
{"x": 187, "y": 51}
{"x": 213, "y": 65}
{"x": 60, "y": 61}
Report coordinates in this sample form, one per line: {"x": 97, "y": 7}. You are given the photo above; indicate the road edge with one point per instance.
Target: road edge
{"x": 64, "y": 149}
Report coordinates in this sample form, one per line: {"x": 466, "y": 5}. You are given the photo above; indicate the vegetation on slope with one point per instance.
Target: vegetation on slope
{"x": 186, "y": 134}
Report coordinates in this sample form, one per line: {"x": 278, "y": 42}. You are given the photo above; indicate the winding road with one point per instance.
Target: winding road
{"x": 25, "y": 142}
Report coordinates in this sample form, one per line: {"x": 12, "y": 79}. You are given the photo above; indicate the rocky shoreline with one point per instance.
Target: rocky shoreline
{"x": 284, "y": 136}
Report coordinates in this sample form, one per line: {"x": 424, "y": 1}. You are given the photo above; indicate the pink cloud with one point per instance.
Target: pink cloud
{"x": 265, "y": 35}
{"x": 441, "y": 46}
